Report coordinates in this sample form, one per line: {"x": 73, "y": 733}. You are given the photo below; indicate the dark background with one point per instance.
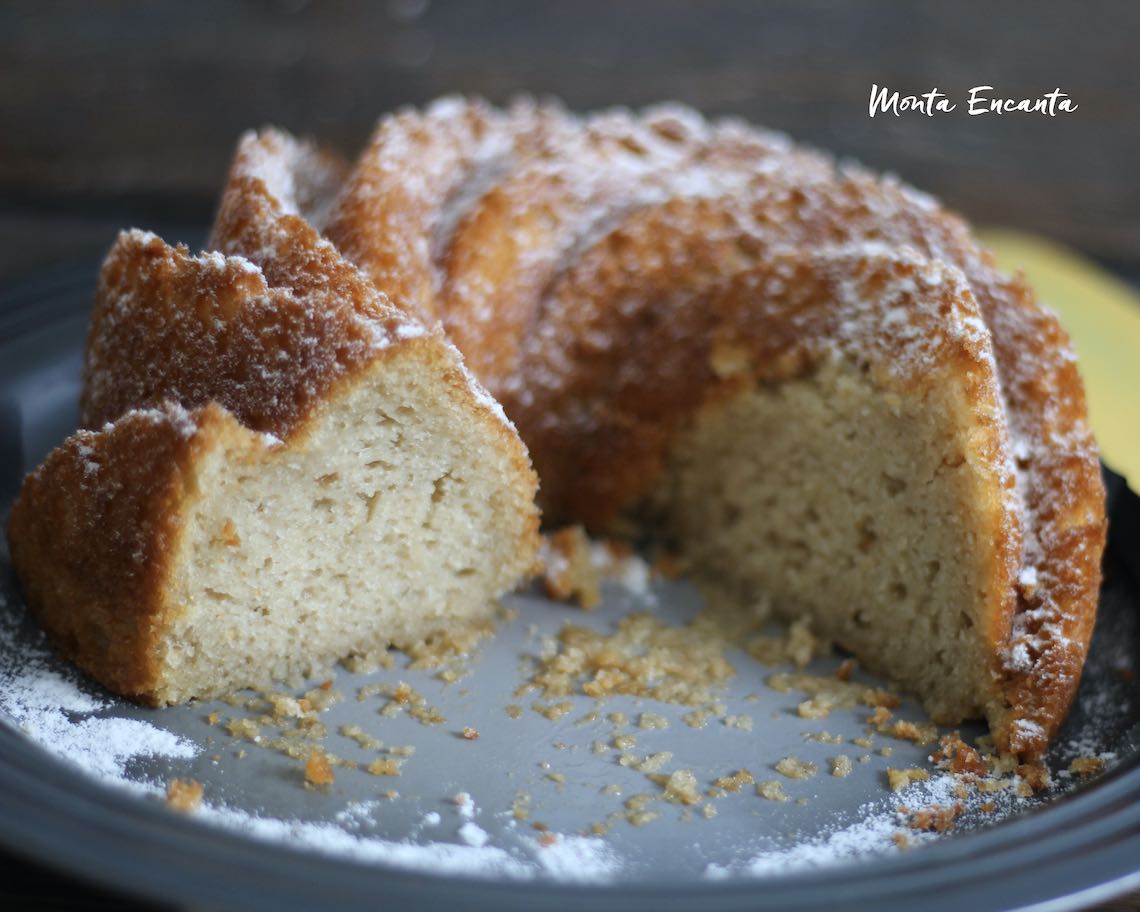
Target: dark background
{"x": 117, "y": 113}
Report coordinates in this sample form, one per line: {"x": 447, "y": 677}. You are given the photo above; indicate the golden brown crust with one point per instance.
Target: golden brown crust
{"x": 385, "y": 223}
{"x": 265, "y": 331}
{"x": 167, "y": 325}
{"x": 93, "y": 533}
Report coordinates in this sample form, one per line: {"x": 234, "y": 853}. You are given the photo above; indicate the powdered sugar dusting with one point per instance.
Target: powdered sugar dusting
{"x": 439, "y": 858}
{"x": 579, "y": 858}
{"x": 878, "y": 828}
{"x": 473, "y": 834}
{"x": 46, "y": 703}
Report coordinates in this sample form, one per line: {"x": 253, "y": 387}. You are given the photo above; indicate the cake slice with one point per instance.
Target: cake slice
{"x": 282, "y": 467}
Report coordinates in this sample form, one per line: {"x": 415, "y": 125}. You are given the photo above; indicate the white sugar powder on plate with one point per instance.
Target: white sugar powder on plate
{"x": 54, "y": 712}
{"x": 328, "y": 838}
{"x": 580, "y": 858}
{"x": 473, "y": 834}
{"x": 876, "y": 831}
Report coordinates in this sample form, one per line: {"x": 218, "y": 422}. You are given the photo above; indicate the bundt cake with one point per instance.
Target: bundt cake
{"x": 808, "y": 379}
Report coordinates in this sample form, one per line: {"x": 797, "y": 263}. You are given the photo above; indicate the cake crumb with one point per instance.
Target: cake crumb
{"x": 841, "y": 766}
{"x": 794, "y": 768}
{"x": 697, "y": 718}
{"x": 553, "y": 711}
{"x": 735, "y": 782}
{"x": 743, "y": 722}
{"x": 798, "y": 646}
{"x": 909, "y": 731}
{"x": 956, "y": 756}
{"x": 637, "y": 810}
{"x": 772, "y": 789}
{"x": 899, "y": 779}
{"x": 520, "y": 807}
{"x": 1036, "y": 775}
{"x": 244, "y": 728}
{"x": 654, "y": 762}
{"x": 184, "y": 795}
{"x": 470, "y": 734}
{"x": 680, "y": 787}
{"x": 814, "y": 708}
{"x": 1086, "y": 767}
{"x": 568, "y": 568}
{"x": 361, "y": 737}
{"x": 318, "y": 770}
{"x": 938, "y": 818}
{"x": 822, "y": 737}
{"x": 384, "y": 767}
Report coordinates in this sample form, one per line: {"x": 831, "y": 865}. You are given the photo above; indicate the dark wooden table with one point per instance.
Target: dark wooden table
{"x": 126, "y": 113}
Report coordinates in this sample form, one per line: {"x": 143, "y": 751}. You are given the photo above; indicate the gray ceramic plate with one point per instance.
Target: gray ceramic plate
{"x": 270, "y": 843}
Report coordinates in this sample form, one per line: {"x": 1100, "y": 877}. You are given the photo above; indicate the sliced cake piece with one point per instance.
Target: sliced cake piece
{"x": 283, "y": 469}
